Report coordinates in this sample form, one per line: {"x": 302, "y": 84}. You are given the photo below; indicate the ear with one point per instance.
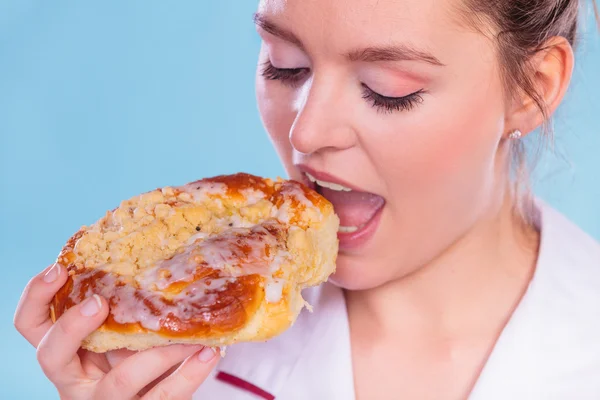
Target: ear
{"x": 551, "y": 70}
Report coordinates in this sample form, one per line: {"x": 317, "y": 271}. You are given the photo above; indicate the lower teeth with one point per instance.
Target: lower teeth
{"x": 347, "y": 229}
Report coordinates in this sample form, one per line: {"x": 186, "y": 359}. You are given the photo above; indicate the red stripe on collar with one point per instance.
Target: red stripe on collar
{"x": 244, "y": 385}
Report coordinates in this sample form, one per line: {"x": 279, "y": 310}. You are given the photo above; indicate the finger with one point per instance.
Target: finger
{"x": 32, "y": 317}
{"x": 57, "y": 351}
{"x": 136, "y": 372}
{"x": 96, "y": 365}
{"x": 115, "y": 357}
{"x": 187, "y": 378}
{"x": 149, "y": 386}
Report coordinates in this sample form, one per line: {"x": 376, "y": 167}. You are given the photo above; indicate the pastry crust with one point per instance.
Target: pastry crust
{"x": 214, "y": 262}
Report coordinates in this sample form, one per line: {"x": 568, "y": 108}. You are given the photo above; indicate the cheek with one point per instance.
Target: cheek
{"x": 438, "y": 164}
{"x": 448, "y": 145}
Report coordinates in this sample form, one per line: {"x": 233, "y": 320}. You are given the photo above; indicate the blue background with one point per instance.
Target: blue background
{"x": 101, "y": 101}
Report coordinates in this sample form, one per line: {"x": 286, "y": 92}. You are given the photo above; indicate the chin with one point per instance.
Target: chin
{"x": 354, "y": 274}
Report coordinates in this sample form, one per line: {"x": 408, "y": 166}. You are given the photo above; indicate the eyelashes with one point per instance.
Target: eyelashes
{"x": 288, "y": 76}
{"x": 391, "y": 104}
{"x": 293, "y": 77}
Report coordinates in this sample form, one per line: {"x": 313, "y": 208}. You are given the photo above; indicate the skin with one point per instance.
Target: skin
{"x": 173, "y": 372}
{"x": 450, "y": 258}
{"x": 431, "y": 290}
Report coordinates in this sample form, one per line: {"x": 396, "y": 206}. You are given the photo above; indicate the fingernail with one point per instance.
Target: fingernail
{"x": 206, "y": 354}
{"x": 91, "y": 306}
{"x": 52, "y": 274}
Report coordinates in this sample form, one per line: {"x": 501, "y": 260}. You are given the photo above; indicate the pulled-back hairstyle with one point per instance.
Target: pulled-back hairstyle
{"x": 521, "y": 29}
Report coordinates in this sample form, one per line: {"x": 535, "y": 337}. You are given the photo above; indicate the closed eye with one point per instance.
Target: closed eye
{"x": 390, "y": 104}
{"x": 293, "y": 77}
{"x": 289, "y": 76}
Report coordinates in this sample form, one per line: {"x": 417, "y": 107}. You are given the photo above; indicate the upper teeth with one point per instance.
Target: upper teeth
{"x": 328, "y": 185}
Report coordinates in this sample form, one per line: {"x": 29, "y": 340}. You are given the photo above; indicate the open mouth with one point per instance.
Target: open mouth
{"x": 358, "y": 210}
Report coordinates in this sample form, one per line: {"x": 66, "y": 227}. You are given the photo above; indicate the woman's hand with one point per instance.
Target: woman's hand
{"x": 173, "y": 372}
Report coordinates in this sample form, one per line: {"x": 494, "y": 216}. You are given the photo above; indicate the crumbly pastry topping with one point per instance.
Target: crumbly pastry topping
{"x": 195, "y": 259}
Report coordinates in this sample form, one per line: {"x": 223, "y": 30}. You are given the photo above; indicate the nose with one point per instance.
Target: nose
{"x": 322, "y": 121}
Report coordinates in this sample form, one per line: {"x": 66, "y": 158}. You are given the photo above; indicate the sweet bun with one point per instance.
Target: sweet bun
{"x": 213, "y": 262}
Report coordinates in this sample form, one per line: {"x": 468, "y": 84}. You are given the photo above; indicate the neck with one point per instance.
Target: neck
{"x": 480, "y": 277}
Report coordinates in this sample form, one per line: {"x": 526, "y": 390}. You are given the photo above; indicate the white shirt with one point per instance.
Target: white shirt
{"x": 549, "y": 350}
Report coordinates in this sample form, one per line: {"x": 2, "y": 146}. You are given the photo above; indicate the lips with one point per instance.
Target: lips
{"x": 355, "y": 208}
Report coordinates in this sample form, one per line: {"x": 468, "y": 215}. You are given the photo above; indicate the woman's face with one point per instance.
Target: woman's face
{"x": 397, "y": 108}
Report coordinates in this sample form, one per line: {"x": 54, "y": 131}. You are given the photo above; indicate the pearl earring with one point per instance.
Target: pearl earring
{"x": 516, "y": 134}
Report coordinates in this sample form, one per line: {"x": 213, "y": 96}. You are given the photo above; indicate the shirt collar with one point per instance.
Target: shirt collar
{"x": 309, "y": 360}
{"x": 550, "y": 349}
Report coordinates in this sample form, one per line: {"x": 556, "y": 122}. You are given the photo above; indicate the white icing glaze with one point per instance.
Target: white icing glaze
{"x": 278, "y": 259}
{"x": 274, "y": 290}
{"x": 147, "y": 307}
{"x": 283, "y": 213}
{"x": 240, "y": 249}
{"x": 130, "y": 309}
{"x": 180, "y": 268}
{"x": 295, "y": 206}
{"x": 294, "y": 191}
{"x": 202, "y": 191}
{"x": 198, "y": 295}
{"x": 252, "y": 196}
{"x": 236, "y": 220}
{"x": 244, "y": 249}
{"x": 234, "y": 252}
{"x": 196, "y": 237}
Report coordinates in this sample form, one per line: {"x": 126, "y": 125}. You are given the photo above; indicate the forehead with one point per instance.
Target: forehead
{"x": 339, "y": 23}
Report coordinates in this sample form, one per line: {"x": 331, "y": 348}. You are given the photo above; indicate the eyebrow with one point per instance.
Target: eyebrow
{"x": 274, "y": 30}
{"x": 393, "y": 53}
{"x": 369, "y": 54}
